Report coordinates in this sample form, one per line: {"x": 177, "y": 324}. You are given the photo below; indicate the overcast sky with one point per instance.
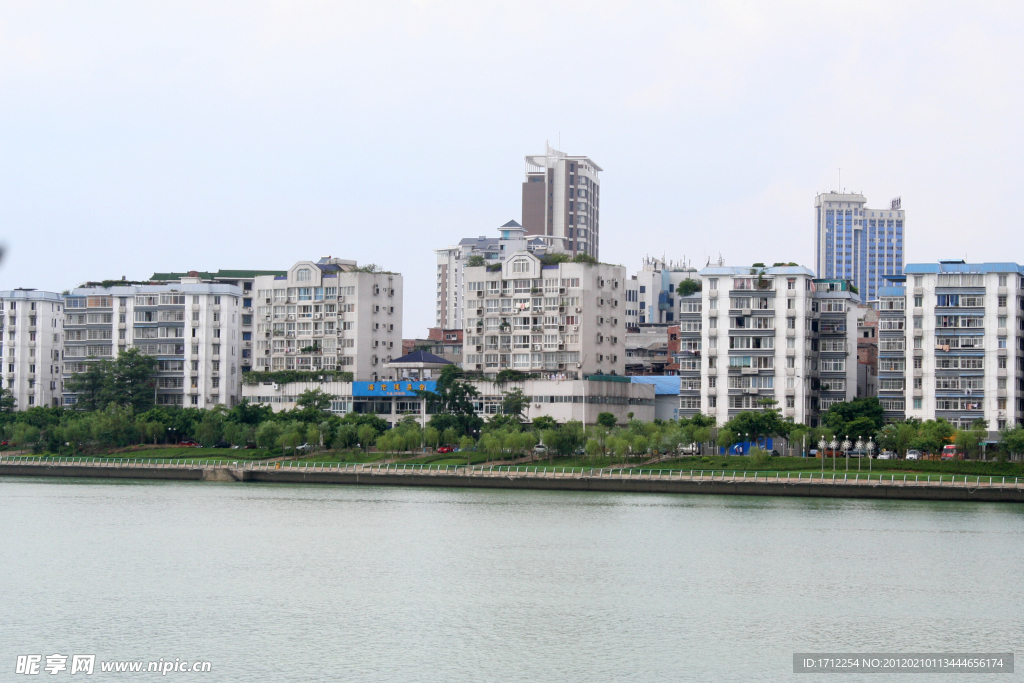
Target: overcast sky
{"x": 140, "y": 136}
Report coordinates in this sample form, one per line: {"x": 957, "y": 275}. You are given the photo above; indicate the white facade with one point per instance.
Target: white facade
{"x": 190, "y": 327}
{"x": 656, "y": 285}
{"x": 328, "y": 315}
{"x": 562, "y": 400}
{"x": 758, "y": 338}
{"x": 452, "y": 260}
{"x": 967, "y": 326}
{"x": 563, "y": 319}
{"x": 31, "y": 329}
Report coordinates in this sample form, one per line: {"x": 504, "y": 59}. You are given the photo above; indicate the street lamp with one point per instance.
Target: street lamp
{"x": 834, "y": 444}
{"x": 822, "y": 444}
{"x": 871, "y": 447}
{"x": 846, "y": 452}
{"x": 860, "y": 447}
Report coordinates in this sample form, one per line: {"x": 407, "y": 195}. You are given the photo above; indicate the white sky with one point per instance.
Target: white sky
{"x": 140, "y": 136}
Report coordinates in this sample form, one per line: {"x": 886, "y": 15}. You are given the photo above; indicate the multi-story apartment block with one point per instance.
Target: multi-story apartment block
{"x": 759, "y": 340}
{"x": 328, "y": 315}
{"x": 190, "y": 327}
{"x": 687, "y": 359}
{"x": 837, "y": 345}
{"x": 562, "y": 201}
{"x": 967, "y": 359}
{"x": 241, "y": 278}
{"x": 892, "y": 348}
{"x": 853, "y": 242}
{"x": 452, "y": 260}
{"x": 656, "y": 285}
{"x": 563, "y": 319}
{"x": 31, "y": 329}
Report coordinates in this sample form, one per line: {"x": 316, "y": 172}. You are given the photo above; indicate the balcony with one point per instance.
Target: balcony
{"x": 748, "y": 371}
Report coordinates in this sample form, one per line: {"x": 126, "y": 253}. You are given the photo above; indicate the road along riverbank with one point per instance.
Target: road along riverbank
{"x": 723, "y": 482}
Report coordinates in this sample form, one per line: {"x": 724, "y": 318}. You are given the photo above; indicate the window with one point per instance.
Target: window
{"x": 303, "y": 275}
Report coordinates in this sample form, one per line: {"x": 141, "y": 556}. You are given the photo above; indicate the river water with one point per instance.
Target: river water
{"x": 320, "y": 583}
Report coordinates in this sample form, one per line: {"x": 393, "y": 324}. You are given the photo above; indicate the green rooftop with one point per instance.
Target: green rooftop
{"x": 220, "y": 274}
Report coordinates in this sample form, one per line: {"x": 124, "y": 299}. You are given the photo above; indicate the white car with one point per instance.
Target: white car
{"x": 913, "y": 455}
{"x": 886, "y": 455}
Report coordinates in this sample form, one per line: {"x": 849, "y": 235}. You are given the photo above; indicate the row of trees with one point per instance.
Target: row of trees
{"x": 115, "y": 409}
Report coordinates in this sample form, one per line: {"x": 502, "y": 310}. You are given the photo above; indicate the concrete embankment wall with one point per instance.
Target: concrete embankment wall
{"x": 568, "y": 483}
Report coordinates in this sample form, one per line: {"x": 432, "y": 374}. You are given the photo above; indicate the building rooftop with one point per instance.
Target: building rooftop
{"x": 959, "y": 266}
{"x": 219, "y": 275}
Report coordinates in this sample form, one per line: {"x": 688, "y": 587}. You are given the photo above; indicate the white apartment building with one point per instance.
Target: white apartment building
{"x": 838, "y": 308}
{"x": 452, "y": 260}
{"x": 563, "y": 319}
{"x": 190, "y": 327}
{"x": 30, "y": 346}
{"x": 759, "y": 340}
{"x": 655, "y": 285}
{"x": 328, "y": 315}
{"x": 967, "y": 325}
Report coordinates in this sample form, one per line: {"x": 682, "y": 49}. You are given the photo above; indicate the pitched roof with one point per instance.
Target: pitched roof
{"x": 421, "y": 357}
{"x": 512, "y": 224}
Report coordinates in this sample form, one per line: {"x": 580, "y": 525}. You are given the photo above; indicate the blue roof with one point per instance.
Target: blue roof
{"x": 663, "y": 384}
{"x": 892, "y": 291}
{"x": 960, "y": 267}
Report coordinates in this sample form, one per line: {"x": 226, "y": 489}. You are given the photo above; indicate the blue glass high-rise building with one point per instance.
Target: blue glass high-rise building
{"x": 856, "y": 243}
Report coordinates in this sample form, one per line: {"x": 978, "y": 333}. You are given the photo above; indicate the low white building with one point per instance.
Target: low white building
{"x": 563, "y": 319}
{"x": 190, "y": 327}
{"x": 328, "y": 315}
{"x": 562, "y": 400}
{"x": 31, "y": 329}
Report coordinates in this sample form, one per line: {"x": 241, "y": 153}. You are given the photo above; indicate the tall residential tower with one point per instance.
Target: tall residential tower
{"x": 562, "y": 201}
{"x": 856, "y": 243}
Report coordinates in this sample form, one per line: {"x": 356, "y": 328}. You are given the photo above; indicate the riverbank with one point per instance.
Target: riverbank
{"x": 630, "y": 480}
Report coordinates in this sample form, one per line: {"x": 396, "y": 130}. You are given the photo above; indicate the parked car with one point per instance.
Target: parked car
{"x": 189, "y": 443}
{"x": 886, "y": 455}
{"x": 250, "y": 446}
{"x": 222, "y": 444}
{"x": 949, "y": 452}
{"x": 304, "y": 447}
{"x": 913, "y": 454}
{"x": 445, "y": 449}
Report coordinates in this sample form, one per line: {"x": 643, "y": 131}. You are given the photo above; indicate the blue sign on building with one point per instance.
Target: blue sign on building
{"x": 404, "y": 388}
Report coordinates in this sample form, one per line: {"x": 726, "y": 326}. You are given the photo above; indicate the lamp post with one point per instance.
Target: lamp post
{"x": 871, "y": 447}
{"x": 860, "y": 447}
{"x": 834, "y": 444}
{"x": 822, "y": 445}
{"x": 846, "y": 452}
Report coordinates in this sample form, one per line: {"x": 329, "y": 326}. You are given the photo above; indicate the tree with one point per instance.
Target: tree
{"x": 312, "y": 404}
{"x": 1012, "y": 441}
{"x": 249, "y": 413}
{"x": 755, "y": 424}
{"x": 513, "y": 403}
{"x": 211, "y": 429}
{"x": 544, "y": 422}
{"x": 688, "y": 287}
{"x": 475, "y": 261}
{"x": 840, "y": 415}
{"x": 130, "y": 380}
{"x": 367, "y": 436}
{"x": 7, "y": 401}
{"x": 90, "y": 386}
{"x": 268, "y": 433}
{"x": 452, "y": 398}
{"x": 606, "y": 420}
{"x": 292, "y": 437}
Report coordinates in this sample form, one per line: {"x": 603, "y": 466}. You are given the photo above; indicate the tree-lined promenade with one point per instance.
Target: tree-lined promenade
{"x": 115, "y": 411}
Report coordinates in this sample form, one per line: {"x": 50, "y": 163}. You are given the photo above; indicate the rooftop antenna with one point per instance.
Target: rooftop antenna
{"x": 840, "y": 181}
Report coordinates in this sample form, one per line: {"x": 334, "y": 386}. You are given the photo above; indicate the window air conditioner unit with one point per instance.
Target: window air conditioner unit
{"x": 579, "y": 310}
{"x": 317, "y": 316}
{"x": 576, "y": 328}
{"x": 291, "y": 316}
